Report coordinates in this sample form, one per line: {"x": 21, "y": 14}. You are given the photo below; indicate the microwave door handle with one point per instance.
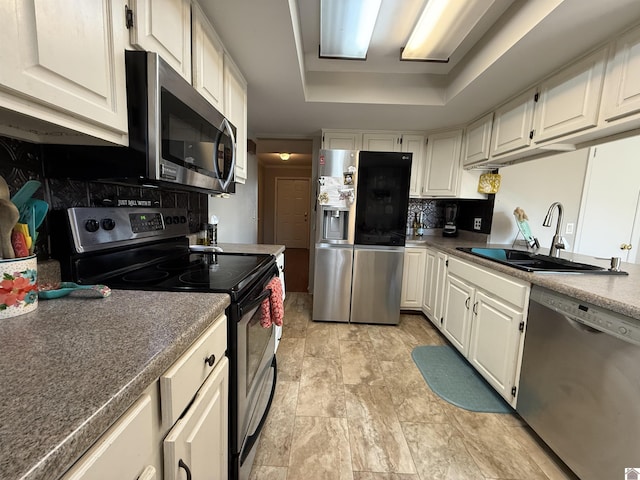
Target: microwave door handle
{"x": 226, "y": 126}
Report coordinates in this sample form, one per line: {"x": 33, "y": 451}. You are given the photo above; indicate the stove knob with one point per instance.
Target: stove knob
{"x": 92, "y": 225}
{"x": 108, "y": 223}
{"x": 168, "y": 220}
{"x": 183, "y": 219}
{"x": 176, "y": 219}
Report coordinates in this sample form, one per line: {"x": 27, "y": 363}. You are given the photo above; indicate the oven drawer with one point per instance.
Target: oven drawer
{"x": 182, "y": 380}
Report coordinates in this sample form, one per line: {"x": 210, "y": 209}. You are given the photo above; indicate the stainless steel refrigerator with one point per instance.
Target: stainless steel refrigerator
{"x": 360, "y": 235}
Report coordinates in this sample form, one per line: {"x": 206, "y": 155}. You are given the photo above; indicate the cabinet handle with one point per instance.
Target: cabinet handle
{"x": 466, "y": 303}
{"x": 475, "y": 308}
{"x": 210, "y": 360}
{"x": 626, "y": 246}
{"x": 181, "y": 464}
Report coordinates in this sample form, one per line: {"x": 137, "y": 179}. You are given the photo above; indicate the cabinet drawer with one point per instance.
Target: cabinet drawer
{"x": 197, "y": 445}
{"x": 180, "y": 383}
{"x": 508, "y": 288}
{"x": 124, "y": 451}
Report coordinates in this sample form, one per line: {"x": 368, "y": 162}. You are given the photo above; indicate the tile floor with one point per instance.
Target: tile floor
{"x": 350, "y": 404}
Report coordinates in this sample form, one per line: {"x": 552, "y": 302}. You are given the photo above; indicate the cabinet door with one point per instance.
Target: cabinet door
{"x": 416, "y": 145}
{"x": 196, "y": 447}
{"x": 381, "y": 142}
{"x": 345, "y": 140}
{"x": 442, "y": 164}
{"x": 512, "y": 125}
{"x": 207, "y": 60}
{"x": 124, "y": 451}
{"x": 622, "y": 83}
{"x": 430, "y": 278}
{"x": 164, "y": 27}
{"x": 235, "y": 109}
{"x": 569, "y": 102}
{"x": 441, "y": 284}
{"x": 413, "y": 278}
{"x": 63, "y": 62}
{"x": 457, "y": 313}
{"x": 495, "y": 342}
{"x": 477, "y": 140}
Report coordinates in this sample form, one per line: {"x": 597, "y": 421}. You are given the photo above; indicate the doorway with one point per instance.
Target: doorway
{"x": 292, "y": 229}
{"x": 609, "y": 221}
{"x": 292, "y": 212}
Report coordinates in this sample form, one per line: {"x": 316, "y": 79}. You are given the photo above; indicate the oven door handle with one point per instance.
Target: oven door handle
{"x": 255, "y": 302}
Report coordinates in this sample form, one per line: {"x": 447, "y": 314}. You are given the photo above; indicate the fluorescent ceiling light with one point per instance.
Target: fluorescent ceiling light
{"x": 442, "y": 27}
{"x": 346, "y": 27}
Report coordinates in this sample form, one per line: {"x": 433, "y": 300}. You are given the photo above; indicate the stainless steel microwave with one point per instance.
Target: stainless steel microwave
{"x": 176, "y": 137}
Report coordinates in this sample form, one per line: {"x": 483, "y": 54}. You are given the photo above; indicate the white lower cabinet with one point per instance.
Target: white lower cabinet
{"x": 434, "y": 286}
{"x": 197, "y": 444}
{"x": 177, "y": 429}
{"x": 484, "y": 318}
{"x": 124, "y": 452}
{"x": 413, "y": 278}
{"x": 493, "y": 347}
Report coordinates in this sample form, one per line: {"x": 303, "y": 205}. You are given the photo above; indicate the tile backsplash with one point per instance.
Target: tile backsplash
{"x": 21, "y": 161}
{"x": 433, "y": 213}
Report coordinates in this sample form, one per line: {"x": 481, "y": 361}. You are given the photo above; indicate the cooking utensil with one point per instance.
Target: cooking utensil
{"x": 9, "y": 216}
{"x": 25, "y": 193}
{"x": 32, "y": 213}
{"x": 48, "y": 291}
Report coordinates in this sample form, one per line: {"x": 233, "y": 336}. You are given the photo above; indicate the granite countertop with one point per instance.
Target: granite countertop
{"x": 73, "y": 366}
{"x": 618, "y": 293}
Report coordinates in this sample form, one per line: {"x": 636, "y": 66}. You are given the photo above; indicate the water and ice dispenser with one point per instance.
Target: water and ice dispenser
{"x": 335, "y": 224}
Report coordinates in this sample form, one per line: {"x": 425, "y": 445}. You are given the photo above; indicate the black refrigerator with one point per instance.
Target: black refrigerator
{"x": 382, "y": 200}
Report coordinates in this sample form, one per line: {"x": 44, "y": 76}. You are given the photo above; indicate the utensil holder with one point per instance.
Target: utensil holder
{"x": 18, "y": 286}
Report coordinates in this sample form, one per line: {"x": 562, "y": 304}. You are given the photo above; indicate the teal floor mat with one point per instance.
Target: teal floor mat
{"x": 450, "y": 376}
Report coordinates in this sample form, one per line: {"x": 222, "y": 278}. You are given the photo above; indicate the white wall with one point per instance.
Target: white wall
{"x": 238, "y": 214}
{"x": 534, "y": 186}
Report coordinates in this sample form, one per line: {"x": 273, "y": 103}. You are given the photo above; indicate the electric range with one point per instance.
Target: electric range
{"x": 148, "y": 249}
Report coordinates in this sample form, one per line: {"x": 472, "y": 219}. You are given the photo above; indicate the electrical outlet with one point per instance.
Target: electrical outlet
{"x": 477, "y": 223}
{"x": 569, "y": 229}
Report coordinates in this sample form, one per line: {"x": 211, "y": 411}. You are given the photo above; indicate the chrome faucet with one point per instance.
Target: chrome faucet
{"x": 557, "y": 243}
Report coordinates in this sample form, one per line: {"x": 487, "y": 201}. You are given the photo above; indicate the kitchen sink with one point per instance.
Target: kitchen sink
{"x": 533, "y": 262}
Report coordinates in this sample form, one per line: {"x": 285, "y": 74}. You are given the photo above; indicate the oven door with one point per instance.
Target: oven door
{"x": 256, "y": 372}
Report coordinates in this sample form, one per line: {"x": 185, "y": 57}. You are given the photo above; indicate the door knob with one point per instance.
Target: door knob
{"x": 626, "y": 246}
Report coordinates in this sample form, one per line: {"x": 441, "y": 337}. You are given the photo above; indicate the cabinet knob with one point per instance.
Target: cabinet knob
{"x": 183, "y": 465}
{"x": 626, "y": 246}
{"x": 210, "y": 360}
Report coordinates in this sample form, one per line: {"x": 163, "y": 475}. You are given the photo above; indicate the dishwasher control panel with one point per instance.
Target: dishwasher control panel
{"x": 607, "y": 321}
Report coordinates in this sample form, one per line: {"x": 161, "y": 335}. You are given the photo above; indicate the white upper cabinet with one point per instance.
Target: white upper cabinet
{"x": 512, "y": 124}
{"x": 381, "y": 142}
{"x": 207, "y": 60}
{"x": 415, "y": 144}
{"x": 63, "y": 65}
{"x": 569, "y": 101}
{"x": 341, "y": 140}
{"x": 477, "y": 140}
{"x": 235, "y": 109}
{"x": 622, "y": 85}
{"x": 442, "y": 164}
{"x": 164, "y": 27}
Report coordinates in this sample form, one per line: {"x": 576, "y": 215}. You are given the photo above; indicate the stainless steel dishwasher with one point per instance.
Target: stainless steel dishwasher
{"x": 580, "y": 384}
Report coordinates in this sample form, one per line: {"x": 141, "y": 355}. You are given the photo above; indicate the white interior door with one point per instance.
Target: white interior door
{"x": 609, "y": 213}
{"x": 292, "y": 212}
